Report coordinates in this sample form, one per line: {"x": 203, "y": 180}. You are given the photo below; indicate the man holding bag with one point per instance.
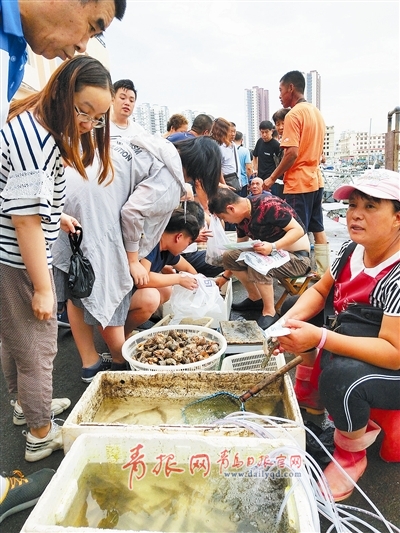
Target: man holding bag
{"x": 272, "y": 221}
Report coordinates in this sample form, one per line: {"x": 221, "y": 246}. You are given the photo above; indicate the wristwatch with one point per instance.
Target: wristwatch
{"x": 273, "y": 249}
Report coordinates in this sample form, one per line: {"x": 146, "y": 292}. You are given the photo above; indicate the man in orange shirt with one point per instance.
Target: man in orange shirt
{"x": 302, "y": 141}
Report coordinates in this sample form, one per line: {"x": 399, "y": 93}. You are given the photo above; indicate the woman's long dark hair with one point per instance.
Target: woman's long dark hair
{"x": 201, "y": 159}
{"x": 53, "y": 108}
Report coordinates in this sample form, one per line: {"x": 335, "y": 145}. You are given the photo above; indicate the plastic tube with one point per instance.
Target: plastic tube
{"x": 342, "y": 521}
{"x": 392, "y": 527}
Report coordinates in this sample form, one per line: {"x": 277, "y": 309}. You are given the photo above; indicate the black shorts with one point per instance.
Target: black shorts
{"x": 309, "y": 208}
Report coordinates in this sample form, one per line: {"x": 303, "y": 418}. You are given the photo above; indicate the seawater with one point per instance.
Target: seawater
{"x": 158, "y": 411}
{"x": 181, "y": 503}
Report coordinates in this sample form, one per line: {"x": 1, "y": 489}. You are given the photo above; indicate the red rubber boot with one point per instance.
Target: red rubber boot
{"x": 389, "y": 421}
{"x": 351, "y": 455}
{"x": 307, "y": 395}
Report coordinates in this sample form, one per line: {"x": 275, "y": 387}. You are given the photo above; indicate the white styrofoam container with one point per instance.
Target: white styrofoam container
{"x": 116, "y": 449}
{"x": 159, "y": 387}
{"x": 227, "y": 293}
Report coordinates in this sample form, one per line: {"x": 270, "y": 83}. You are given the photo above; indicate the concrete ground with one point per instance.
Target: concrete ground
{"x": 381, "y": 481}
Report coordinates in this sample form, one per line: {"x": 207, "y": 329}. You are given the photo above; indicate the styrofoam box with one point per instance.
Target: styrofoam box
{"x": 227, "y": 293}
{"x": 156, "y": 387}
{"x": 116, "y": 449}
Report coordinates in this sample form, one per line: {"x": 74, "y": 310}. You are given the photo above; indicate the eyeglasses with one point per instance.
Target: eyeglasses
{"x": 96, "y": 122}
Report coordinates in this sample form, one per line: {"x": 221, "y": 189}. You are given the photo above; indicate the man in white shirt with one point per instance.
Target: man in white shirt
{"x": 123, "y": 104}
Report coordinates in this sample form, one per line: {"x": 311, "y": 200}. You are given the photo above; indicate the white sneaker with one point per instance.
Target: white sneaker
{"x": 37, "y": 449}
{"x": 58, "y": 405}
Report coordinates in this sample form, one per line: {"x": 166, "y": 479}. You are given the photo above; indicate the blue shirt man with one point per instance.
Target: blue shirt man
{"x": 12, "y": 53}
{"x": 52, "y": 29}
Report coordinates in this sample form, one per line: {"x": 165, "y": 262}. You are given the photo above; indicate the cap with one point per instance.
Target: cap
{"x": 379, "y": 183}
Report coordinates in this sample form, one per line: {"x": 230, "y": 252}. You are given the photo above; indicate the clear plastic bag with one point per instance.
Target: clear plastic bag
{"x": 198, "y": 303}
{"x": 216, "y": 245}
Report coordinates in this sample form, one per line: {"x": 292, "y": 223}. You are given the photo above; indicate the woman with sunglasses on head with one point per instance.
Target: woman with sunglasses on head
{"x": 45, "y": 132}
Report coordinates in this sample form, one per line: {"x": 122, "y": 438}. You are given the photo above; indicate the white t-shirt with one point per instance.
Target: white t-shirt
{"x": 133, "y": 128}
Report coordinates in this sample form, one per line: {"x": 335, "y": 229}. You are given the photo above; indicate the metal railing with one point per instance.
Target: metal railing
{"x": 392, "y": 141}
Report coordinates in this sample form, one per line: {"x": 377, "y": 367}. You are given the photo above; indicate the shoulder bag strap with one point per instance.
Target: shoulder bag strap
{"x": 329, "y": 309}
{"x": 236, "y": 155}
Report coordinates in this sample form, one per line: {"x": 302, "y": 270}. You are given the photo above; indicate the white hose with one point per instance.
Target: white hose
{"x": 318, "y": 494}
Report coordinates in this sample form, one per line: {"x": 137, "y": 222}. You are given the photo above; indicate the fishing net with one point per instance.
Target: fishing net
{"x": 221, "y": 404}
{"x": 211, "y": 408}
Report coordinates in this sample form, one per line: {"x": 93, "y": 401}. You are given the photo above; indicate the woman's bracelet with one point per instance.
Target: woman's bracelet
{"x": 225, "y": 277}
{"x": 323, "y": 339}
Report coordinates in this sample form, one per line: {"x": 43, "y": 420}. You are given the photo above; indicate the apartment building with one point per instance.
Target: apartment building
{"x": 361, "y": 146}
{"x": 329, "y": 142}
{"x": 256, "y": 110}
{"x": 312, "y": 91}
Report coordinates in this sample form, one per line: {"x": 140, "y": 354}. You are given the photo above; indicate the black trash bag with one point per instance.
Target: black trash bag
{"x": 314, "y": 448}
{"x": 81, "y": 275}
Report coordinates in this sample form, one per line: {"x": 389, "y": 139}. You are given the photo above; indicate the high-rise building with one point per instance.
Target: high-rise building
{"x": 257, "y": 109}
{"x": 313, "y": 88}
{"x": 153, "y": 118}
{"x": 190, "y": 115}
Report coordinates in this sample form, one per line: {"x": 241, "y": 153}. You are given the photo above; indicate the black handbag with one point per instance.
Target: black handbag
{"x": 233, "y": 181}
{"x": 81, "y": 275}
{"x": 358, "y": 320}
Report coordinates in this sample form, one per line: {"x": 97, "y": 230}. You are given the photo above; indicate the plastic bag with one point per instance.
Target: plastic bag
{"x": 198, "y": 303}
{"x": 216, "y": 244}
{"x": 81, "y": 276}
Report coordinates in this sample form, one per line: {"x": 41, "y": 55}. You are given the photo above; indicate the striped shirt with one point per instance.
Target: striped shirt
{"x": 31, "y": 183}
{"x": 385, "y": 291}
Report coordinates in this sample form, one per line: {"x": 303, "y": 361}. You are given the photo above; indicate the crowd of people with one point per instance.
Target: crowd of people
{"x": 74, "y": 158}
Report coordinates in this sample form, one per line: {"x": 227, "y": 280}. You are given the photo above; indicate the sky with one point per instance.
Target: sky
{"x": 201, "y": 55}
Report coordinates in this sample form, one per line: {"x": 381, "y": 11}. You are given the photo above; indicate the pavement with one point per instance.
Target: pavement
{"x": 381, "y": 481}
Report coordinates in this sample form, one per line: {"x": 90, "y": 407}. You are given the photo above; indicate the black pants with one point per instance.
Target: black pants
{"x": 350, "y": 388}
{"x": 198, "y": 261}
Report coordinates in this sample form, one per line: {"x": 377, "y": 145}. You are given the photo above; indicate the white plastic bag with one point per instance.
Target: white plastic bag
{"x": 216, "y": 244}
{"x": 196, "y": 304}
